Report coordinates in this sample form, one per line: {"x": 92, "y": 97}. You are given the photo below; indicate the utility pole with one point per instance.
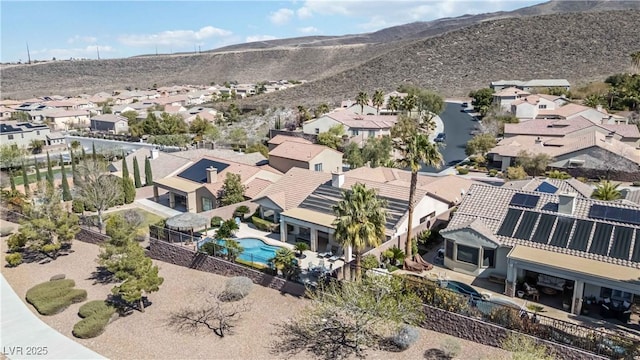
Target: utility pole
{"x": 28, "y": 54}
{"x": 98, "y": 51}
{"x": 156, "y": 50}
{"x": 199, "y": 49}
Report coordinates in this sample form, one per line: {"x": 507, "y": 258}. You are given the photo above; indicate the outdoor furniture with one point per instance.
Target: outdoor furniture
{"x": 337, "y": 255}
{"x": 531, "y": 291}
{"x": 327, "y": 252}
{"x": 551, "y": 282}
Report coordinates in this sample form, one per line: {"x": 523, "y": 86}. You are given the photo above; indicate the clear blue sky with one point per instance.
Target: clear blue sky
{"x": 126, "y": 28}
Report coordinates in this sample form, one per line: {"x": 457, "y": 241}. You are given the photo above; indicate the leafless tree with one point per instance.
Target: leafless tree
{"x": 98, "y": 189}
{"x": 214, "y": 315}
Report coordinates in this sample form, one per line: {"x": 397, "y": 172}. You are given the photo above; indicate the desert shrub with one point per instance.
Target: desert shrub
{"x": 516, "y": 173}
{"x": 507, "y": 317}
{"x": 406, "y": 336}
{"x": 77, "y": 206}
{"x": 90, "y": 327}
{"x": 525, "y": 348}
{"x": 370, "y": 261}
{"x": 215, "y": 221}
{"x": 242, "y": 209}
{"x": 57, "y": 277}
{"x": 96, "y": 308}
{"x": 236, "y": 288}
{"x": 636, "y": 183}
{"x": 450, "y": 347}
{"x": 53, "y": 297}
{"x": 493, "y": 172}
{"x": 13, "y": 259}
{"x": 264, "y": 225}
{"x": 462, "y": 170}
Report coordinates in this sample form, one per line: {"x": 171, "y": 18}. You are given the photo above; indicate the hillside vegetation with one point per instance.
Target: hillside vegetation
{"x": 578, "y": 46}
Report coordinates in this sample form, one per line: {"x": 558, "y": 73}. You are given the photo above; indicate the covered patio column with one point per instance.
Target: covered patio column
{"x": 283, "y": 230}
{"x": 578, "y": 290}
{"x": 512, "y": 277}
{"x": 172, "y": 200}
{"x": 314, "y": 239}
{"x": 155, "y": 193}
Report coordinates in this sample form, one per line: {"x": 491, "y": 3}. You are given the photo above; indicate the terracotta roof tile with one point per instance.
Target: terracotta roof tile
{"x": 299, "y": 151}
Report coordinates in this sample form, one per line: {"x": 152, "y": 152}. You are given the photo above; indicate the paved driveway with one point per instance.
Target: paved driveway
{"x": 457, "y": 126}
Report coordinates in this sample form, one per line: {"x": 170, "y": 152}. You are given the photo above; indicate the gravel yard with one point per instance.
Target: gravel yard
{"x": 147, "y": 335}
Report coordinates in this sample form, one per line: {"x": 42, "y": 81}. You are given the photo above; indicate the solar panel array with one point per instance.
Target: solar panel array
{"x": 524, "y": 200}
{"x": 565, "y": 232}
{"x": 612, "y": 213}
{"x": 545, "y": 187}
{"x": 198, "y": 171}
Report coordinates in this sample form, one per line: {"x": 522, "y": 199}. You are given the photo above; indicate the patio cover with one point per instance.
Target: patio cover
{"x": 311, "y": 216}
{"x": 575, "y": 264}
{"x": 187, "y": 221}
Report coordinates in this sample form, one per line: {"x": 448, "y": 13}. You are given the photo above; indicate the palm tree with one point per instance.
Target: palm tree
{"x": 303, "y": 114}
{"x": 377, "y": 100}
{"x": 285, "y": 261}
{"x": 429, "y": 124}
{"x": 409, "y": 103}
{"x": 415, "y": 150}
{"x": 321, "y": 109}
{"x": 301, "y": 247}
{"x": 362, "y": 99}
{"x": 393, "y": 103}
{"x": 360, "y": 220}
{"x": 606, "y": 190}
{"x": 635, "y": 60}
{"x": 234, "y": 249}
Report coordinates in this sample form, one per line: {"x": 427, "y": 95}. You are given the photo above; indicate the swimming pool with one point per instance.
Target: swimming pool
{"x": 255, "y": 250}
{"x": 464, "y": 289}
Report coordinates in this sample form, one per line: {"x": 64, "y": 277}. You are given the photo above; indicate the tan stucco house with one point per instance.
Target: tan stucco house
{"x": 314, "y": 157}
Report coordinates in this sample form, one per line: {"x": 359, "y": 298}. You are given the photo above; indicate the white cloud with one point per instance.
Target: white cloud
{"x": 281, "y": 16}
{"x": 252, "y": 38}
{"x": 84, "y": 39}
{"x": 308, "y": 30}
{"x": 174, "y": 37}
{"x": 304, "y": 13}
{"x": 90, "y": 51}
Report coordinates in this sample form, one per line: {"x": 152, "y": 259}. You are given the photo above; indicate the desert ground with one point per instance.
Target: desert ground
{"x": 148, "y": 336}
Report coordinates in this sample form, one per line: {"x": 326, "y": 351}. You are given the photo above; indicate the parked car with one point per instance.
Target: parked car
{"x": 465, "y": 104}
{"x": 441, "y": 137}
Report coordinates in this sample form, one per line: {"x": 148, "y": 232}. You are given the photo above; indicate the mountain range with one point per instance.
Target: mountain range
{"x": 581, "y": 41}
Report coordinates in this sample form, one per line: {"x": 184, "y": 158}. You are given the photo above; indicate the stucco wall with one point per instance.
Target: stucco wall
{"x": 284, "y": 164}
{"x": 330, "y": 160}
{"x": 323, "y": 124}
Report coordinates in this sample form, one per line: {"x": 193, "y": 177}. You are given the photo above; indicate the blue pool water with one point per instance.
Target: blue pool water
{"x": 463, "y": 289}
{"x": 255, "y": 250}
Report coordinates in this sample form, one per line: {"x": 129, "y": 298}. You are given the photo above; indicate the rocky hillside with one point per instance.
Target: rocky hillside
{"x": 579, "y": 47}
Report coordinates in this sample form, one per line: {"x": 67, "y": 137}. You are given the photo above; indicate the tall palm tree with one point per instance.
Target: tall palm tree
{"x": 284, "y": 261}
{"x": 409, "y": 103}
{"x": 429, "y": 124}
{"x": 393, "y": 103}
{"x": 360, "y": 220}
{"x": 416, "y": 149}
{"x": 635, "y": 60}
{"x": 377, "y": 100}
{"x": 606, "y": 190}
{"x": 362, "y": 99}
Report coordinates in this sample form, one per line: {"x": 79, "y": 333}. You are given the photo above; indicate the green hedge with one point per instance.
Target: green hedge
{"x": 53, "y": 297}
{"x": 264, "y": 225}
{"x": 96, "y": 315}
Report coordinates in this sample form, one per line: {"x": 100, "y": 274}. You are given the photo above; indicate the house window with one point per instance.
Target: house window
{"x": 542, "y": 106}
{"x": 38, "y": 132}
{"x": 426, "y": 217}
{"x": 488, "y": 258}
{"x": 10, "y": 137}
{"x": 355, "y": 132}
{"x": 207, "y": 204}
{"x": 615, "y": 294}
{"x": 317, "y": 131}
{"x": 317, "y": 167}
{"x": 448, "y": 252}
{"x": 467, "y": 254}
{"x": 372, "y": 133}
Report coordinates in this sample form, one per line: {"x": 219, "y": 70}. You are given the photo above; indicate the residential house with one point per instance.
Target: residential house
{"x": 528, "y": 107}
{"x": 591, "y": 154}
{"x": 279, "y": 139}
{"x": 112, "y": 123}
{"x": 551, "y": 186}
{"x": 198, "y": 97}
{"x": 554, "y": 240}
{"x": 352, "y": 107}
{"x": 174, "y": 109}
{"x": 302, "y": 202}
{"x": 174, "y": 100}
{"x": 307, "y": 156}
{"x": 569, "y": 111}
{"x": 23, "y": 133}
{"x": 198, "y": 187}
{"x": 626, "y": 133}
{"x": 354, "y": 124}
{"x": 65, "y": 120}
{"x": 5, "y": 113}
{"x": 505, "y": 97}
{"x": 535, "y": 85}
{"x": 56, "y": 139}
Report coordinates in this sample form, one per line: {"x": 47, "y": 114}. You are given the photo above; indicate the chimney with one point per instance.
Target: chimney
{"x": 154, "y": 153}
{"x": 212, "y": 175}
{"x": 337, "y": 178}
{"x": 566, "y": 203}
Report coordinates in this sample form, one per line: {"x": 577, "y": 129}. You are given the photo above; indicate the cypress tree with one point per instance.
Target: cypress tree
{"x": 93, "y": 150}
{"x": 38, "y": 176}
{"x": 25, "y": 180}
{"x": 12, "y": 181}
{"x": 128, "y": 190}
{"x": 49, "y": 171}
{"x": 125, "y": 169}
{"x": 74, "y": 171}
{"x": 66, "y": 194}
{"x": 136, "y": 173}
{"x": 148, "y": 177}
{"x": 84, "y": 154}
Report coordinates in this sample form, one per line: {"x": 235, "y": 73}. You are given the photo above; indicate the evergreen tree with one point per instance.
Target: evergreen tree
{"x": 38, "y": 176}
{"x": 66, "y": 194}
{"x": 148, "y": 176}
{"x": 93, "y": 150}
{"x": 13, "y": 182}
{"x": 136, "y": 173}
{"x": 49, "y": 171}
{"x": 25, "y": 180}
{"x": 125, "y": 169}
{"x": 129, "y": 191}
{"x": 74, "y": 171}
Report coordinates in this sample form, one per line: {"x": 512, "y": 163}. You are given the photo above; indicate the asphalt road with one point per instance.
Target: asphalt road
{"x": 457, "y": 126}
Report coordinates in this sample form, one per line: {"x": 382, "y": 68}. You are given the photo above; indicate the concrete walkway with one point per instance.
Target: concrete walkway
{"x": 23, "y": 333}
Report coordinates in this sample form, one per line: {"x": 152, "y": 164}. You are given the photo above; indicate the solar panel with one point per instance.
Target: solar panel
{"x": 601, "y": 239}
{"x": 544, "y": 228}
{"x": 635, "y": 255}
{"x": 597, "y": 211}
{"x": 509, "y": 222}
{"x": 621, "y": 242}
{"x": 545, "y": 187}
{"x": 617, "y": 214}
{"x": 560, "y": 236}
{"x": 198, "y": 171}
{"x": 524, "y": 200}
{"x": 580, "y": 238}
{"x": 631, "y": 217}
{"x": 527, "y": 223}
